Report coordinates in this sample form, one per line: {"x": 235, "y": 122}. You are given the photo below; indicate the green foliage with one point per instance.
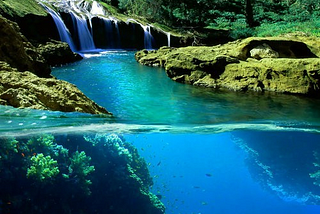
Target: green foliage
{"x": 21, "y": 7}
{"x": 311, "y": 27}
{"x": 79, "y": 169}
{"x": 10, "y": 145}
{"x": 112, "y": 142}
{"x": 288, "y": 16}
{"x": 43, "y": 168}
{"x": 46, "y": 144}
{"x": 80, "y": 164}
{"x": 316, "y": 175}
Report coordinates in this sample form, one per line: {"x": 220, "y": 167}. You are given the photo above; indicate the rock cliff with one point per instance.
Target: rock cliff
{"x": 25, "y": 75}
{"x": 287, "y": 64}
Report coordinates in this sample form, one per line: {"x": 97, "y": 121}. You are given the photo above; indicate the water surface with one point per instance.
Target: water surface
{"x": 208, "y": 151}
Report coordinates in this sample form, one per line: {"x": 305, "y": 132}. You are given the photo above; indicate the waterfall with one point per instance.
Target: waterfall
{"x": 81, "y": 35}
{"x": 169, "y": 39}
{"x": 97, "y": 9}
{"x": 64, "y": 33}
{"x": 148, "y": 38}
{"x": 118, "y": 42}
{"x": 109, "y": 32}
{"x": 84, "y": 34}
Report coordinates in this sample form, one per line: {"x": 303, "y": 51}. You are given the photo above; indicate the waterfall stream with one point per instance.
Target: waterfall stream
{"x": 82, "y": 39}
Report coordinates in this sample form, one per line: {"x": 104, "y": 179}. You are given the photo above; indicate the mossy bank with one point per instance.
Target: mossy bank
{"x": 280, "y": 64}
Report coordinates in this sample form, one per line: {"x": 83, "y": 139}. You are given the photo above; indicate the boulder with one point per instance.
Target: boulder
{"x": 26, "y": 90}
{"x": 263, "y": 51}
{"x": 57, "y": 53}
{"x": 286, "y": 65}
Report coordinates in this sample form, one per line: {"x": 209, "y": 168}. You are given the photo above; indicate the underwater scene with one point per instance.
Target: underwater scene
{"x": 168, "y": 148}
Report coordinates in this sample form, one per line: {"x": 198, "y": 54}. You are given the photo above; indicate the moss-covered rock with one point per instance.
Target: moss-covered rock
{"x": 26, "y": 90}
{"x": 21, "y": 8}
{"x": 22, "y": 65}
{"x": 232, "y": 66}
{"x": 18, "y": 52}
{"x": 57, "y": 53}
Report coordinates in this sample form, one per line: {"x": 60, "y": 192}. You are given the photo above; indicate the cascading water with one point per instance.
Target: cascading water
{"x": 84, "y": 35}
{"x": 113, "y": 38}
{"x": 169, "y": 39}
{"x": 64, "y": 33}
{"x": 97, "y": 9}
{"x": 117, "y": 41}
{"x": 148, "y": 38}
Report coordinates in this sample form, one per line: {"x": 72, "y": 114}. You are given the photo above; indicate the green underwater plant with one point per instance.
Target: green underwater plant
{"x": 113, "y": 142}
{"x": 79, "y": 169}
{"x": 316, "y": 175}
{"x": 10, "y": 145}
{"x": 43, "y": 168}
{"x": 46, "y": 144}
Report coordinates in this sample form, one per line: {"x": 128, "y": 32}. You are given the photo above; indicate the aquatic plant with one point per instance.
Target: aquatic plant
{"x": 10, "y": 145}
{"x": 316, "y": 175}
{"x": 113, "y": 142}
{"x": 46, "y": 144}
{"x": 43, "y": 168}
{"x": 117, "y": 147}
{"x": 79, "y": 169}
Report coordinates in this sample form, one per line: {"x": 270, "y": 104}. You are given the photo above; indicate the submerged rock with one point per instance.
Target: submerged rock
{"x": 26, "y": 90}
{"x": 285, "y": 65}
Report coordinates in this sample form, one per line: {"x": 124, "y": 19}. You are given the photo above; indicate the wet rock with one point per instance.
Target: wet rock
{"x": 26, "y": 90}
{"x": 18, "y": 52}
{"x": 57, "y": 53}
{"x": 286, "y": 65}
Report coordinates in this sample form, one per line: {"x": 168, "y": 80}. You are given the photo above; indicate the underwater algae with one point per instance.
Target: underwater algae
{"x": 74, "y": 174}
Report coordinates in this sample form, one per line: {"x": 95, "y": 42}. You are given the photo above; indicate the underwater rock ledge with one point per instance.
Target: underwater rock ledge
{"x": 286, "y": 65}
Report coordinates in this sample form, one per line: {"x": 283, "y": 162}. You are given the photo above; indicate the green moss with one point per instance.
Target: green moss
{"x": 43, "y": 168}
{"x": 21, "y": 7}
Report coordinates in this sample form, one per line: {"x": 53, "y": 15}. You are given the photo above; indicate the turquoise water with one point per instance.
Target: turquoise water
{"x": 208, "y": 151}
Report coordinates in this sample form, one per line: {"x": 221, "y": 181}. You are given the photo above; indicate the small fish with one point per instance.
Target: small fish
{"x": 209, "y": 175}
{"x": 23, "y": 155}
{"x": 159, "y": 163}
{"x": 196, "y": 187}
{"x": 204, "y": 203}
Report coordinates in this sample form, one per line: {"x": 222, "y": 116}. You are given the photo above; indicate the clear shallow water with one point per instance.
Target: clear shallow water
{"x": 208, "y": 151}
{"x": 145, "y": 95}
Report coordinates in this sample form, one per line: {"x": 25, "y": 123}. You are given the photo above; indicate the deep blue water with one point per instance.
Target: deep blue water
{"x": 208, "y": 151}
